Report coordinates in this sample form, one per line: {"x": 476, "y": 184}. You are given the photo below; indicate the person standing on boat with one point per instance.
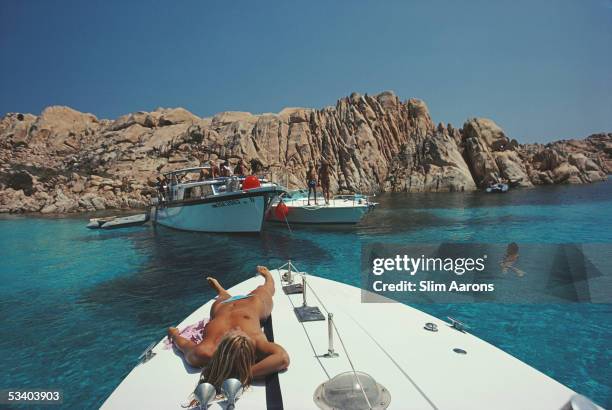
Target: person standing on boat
{"x": 324, "y": 179}
{"x": 161, "y": 188}
{"x": 214, "y": 169}
{"x": 204, "y": 173}
{"x": 234, "y": 345}
{"x": 241, "y": 168}
{"x": 311, "y": 181}
{"x": 225, "y": 169}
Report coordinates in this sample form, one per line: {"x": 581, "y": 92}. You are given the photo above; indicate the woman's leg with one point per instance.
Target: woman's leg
{"x": 222, "y": 295}
{"x": 265, "y": 292}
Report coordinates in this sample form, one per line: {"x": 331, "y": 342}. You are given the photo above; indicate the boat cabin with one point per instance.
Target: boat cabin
{"x": 192, "y": 183}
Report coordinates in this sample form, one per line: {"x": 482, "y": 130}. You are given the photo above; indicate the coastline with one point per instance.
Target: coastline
{"x": 86, "y": 214}
{"x": 64, "y": 161}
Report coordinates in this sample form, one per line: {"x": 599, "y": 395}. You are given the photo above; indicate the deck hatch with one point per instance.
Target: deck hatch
{"x": 349, "y": 391}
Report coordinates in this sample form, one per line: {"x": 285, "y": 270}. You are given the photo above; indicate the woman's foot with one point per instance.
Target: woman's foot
{"x": 263, "y": 271}
{"x": 214, "y": 283}
{"x": 173, "y": 332}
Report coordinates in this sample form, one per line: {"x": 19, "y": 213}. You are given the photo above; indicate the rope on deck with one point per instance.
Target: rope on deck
{"x": 416, "y": 386}
{"x": 304, "y": 327}
{"x": 290, "y": 265}
{"x": 348, "y": 356}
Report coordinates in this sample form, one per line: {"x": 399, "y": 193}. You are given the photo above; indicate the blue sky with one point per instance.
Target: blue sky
{"x": 541, "y": 69}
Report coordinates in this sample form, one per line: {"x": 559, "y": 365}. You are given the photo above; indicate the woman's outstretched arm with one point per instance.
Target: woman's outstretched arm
{"x": 196, "y": 355}
{"x": 276, "y": 359}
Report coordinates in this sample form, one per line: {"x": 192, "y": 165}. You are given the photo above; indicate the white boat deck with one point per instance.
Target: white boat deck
{"x": 339, "y": 210}
{"x": 418, "y": 367}
{"x": 320, "y": 203}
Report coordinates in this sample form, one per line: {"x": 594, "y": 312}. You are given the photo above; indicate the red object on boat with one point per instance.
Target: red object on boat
{"x": 281, "y": 210}
{"x": 250, "y": 182}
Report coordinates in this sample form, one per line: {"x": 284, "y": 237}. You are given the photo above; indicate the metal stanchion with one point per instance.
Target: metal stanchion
{"x": 330, "y": 336}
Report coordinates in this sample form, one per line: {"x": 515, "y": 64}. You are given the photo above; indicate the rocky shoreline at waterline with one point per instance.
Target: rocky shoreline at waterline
{"x": 64, "y": 161}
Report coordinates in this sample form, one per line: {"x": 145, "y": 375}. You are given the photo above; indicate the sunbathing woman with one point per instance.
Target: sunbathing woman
{"x": 234, "y": 345}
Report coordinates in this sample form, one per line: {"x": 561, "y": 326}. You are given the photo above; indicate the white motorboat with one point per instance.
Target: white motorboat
{"x": 294, "y": 208}
{"x": 367, "y": 355}
{"x": 224, "y": 204}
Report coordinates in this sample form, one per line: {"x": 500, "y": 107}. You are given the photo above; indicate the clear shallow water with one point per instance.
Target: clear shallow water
{"x": 77, "y": 307}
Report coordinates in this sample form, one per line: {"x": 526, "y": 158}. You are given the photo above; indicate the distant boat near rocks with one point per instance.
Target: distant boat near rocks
{"x": 498, "y": 188}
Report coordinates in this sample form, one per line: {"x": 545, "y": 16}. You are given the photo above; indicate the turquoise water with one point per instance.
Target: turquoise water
{"x": 78, "y": 306}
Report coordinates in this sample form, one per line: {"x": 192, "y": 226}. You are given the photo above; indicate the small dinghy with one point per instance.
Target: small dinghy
{"x": 294, "y": 208}
{"x": 498, "y": 188}
{"x": 346, "y": 354}
{"x": 115, "y": 222}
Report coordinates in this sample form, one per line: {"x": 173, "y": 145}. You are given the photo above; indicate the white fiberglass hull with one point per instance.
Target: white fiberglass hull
{"x": 337, "y": 212}
{"x": 419, "y": 368}
{"x": 245, "y": 214}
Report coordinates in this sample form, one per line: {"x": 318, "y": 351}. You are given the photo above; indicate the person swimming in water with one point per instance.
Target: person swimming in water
{"x": 510, "y": 259}
{"x": 233, "y": 344}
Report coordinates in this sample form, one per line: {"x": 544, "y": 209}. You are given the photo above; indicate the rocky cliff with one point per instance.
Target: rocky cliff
{"x": 67, "y": 161}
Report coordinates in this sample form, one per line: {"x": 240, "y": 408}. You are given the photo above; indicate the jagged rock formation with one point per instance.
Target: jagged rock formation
{"x": 569, "y": 161}
{"x": 66, "y": 161}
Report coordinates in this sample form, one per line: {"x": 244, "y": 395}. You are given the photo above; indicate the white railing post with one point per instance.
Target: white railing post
{"x": 330, "y": 336}
{"x": 304, "y": 291}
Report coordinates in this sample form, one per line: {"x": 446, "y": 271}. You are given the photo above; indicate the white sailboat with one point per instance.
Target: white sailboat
{"x": 295, "y": 208}
{"x": 223, "y": 204}
{"x": 359, "y": 356}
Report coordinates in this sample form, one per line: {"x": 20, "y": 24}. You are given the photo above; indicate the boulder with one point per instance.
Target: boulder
{"x": 98, "y": 203}
{"x": 566, "y": 174}
{"x": 229, "y": 117}
{"x": 63, "y": 130}
{"x": 49, "y": 209}
{"x": 140, "y": 118}
{"x": 63, "y": 203}
{"x": 176, "y": 116}
{"x": 16, "y": 201}
{"x": 78, "y": 186}
{"x": 512, "y": 169}
{"x": 490, "y": 155}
